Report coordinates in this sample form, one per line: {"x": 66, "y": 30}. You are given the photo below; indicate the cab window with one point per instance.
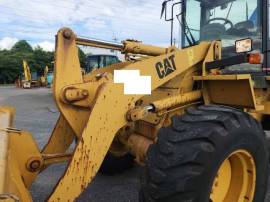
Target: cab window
{"x": 227, "y": 21}
{"x": 111, "y": 60}
{"x": 93, "y": 63}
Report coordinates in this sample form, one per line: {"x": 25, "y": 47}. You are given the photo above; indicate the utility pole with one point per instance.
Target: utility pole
{"x": 115, "y": 40}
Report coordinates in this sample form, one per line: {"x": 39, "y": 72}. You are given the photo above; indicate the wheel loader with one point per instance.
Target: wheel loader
{"x": 199, "y": 135}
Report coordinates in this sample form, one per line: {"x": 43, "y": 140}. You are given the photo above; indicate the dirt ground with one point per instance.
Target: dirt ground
{"x": 36, "y": 112}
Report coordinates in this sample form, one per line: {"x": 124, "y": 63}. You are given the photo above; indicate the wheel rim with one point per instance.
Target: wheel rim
{"x": 235, "y": 179}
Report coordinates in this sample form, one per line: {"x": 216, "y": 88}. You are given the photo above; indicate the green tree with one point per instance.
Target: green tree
{"x": 82, "y": 58}
{"x": 9, "y": 69}
{"x": 42, "y": 59}
{"x": 11, "y": 66}
{"x": 22, "y": 46}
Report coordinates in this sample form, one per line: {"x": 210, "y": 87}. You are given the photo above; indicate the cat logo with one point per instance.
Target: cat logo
{"x": 166, "y": 67}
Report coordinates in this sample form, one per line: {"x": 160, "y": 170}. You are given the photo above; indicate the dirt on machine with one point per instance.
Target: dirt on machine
{"x": 199, "y": 135}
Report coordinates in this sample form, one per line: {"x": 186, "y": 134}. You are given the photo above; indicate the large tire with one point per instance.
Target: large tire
{"x": 113, "y": 165}
{"x": 184, "y": 162}
{"x": 266, "y": 122}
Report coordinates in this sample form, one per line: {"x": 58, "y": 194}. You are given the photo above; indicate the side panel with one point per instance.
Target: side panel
{"x": 234, "y": 90}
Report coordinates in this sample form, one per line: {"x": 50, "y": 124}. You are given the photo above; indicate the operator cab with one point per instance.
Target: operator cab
{"x": 228, "y": 21}
{"x": 99, "y": 61}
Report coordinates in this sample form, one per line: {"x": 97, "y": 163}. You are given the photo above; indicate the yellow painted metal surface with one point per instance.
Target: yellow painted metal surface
{"x": 67, "y": 73}
{"x": 233, "y": 90}
{"x": 214, "y": 53}
{"x": 98, "y": 44}
{"x": 15, "y": 176}
{"x": 61, "y": 138}
{"x": 23, "y": 153}
{"x": 128, "y": 46}
{"x": 93, "y": 111}
{"x": 103, "y": 123}
{"x": 6, "y": 119}
{"x": 139, "y": 146}
{"x": 222, "y": 182}
{"x": 94, "y": 143}
{"x": 172, "y": 101}
{"x": 222, "y": 77}
{"x": 262, "y": 99}
{"x": 139, "y": 48}
{"x": 235, "y": 179}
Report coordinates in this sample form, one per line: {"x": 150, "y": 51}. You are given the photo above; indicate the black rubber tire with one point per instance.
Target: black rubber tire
{"x": 266, "y": 122}
{"x": 113, "y": 165}
{"x": 183, "y": 163}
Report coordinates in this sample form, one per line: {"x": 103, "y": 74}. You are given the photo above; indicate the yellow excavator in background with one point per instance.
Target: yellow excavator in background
{"x": 28, "y": 81}
{"x": 27, "y": 77}
{"x": 199, "y": 134}
{"x": 44, "y": 77}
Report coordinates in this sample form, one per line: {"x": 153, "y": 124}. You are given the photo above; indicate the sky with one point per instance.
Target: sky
{"x": 38, "y": 21}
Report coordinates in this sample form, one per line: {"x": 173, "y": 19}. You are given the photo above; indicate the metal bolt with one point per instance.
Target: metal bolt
{"x": 85, "y": 93}
{"x": 67, "y": 34}
{"x": 34, "y": 165}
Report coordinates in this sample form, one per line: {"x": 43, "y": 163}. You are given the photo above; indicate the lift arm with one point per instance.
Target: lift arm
{"x": 96, "y": 113}
{"x": 92, "y": 112}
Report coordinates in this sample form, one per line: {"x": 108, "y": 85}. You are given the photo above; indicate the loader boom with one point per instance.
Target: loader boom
{"x": 95, "y": 128}
{"x": 85, "y": 108}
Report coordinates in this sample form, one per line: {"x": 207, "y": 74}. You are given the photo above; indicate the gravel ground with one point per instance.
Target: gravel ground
{"x": 36, "y": 112}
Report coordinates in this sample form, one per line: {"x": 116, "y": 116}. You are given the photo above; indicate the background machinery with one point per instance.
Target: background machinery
{"x": 49, "y": 79}
{"x": 26, "y": 81}
{"x": 30, "y": 79}
{"x": 44, "y": 77}
{"x": 100, "y": 60}
{"x": 198, "y": 134}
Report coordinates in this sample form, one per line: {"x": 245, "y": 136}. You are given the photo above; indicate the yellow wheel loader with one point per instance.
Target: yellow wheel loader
{"x": 198, "y": 134}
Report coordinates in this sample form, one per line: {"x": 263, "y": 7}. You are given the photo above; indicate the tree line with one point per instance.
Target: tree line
{"x": 11, "y": 67}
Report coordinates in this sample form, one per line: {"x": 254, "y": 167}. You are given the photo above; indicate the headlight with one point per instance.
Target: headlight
{"x": 243, "y": 45}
